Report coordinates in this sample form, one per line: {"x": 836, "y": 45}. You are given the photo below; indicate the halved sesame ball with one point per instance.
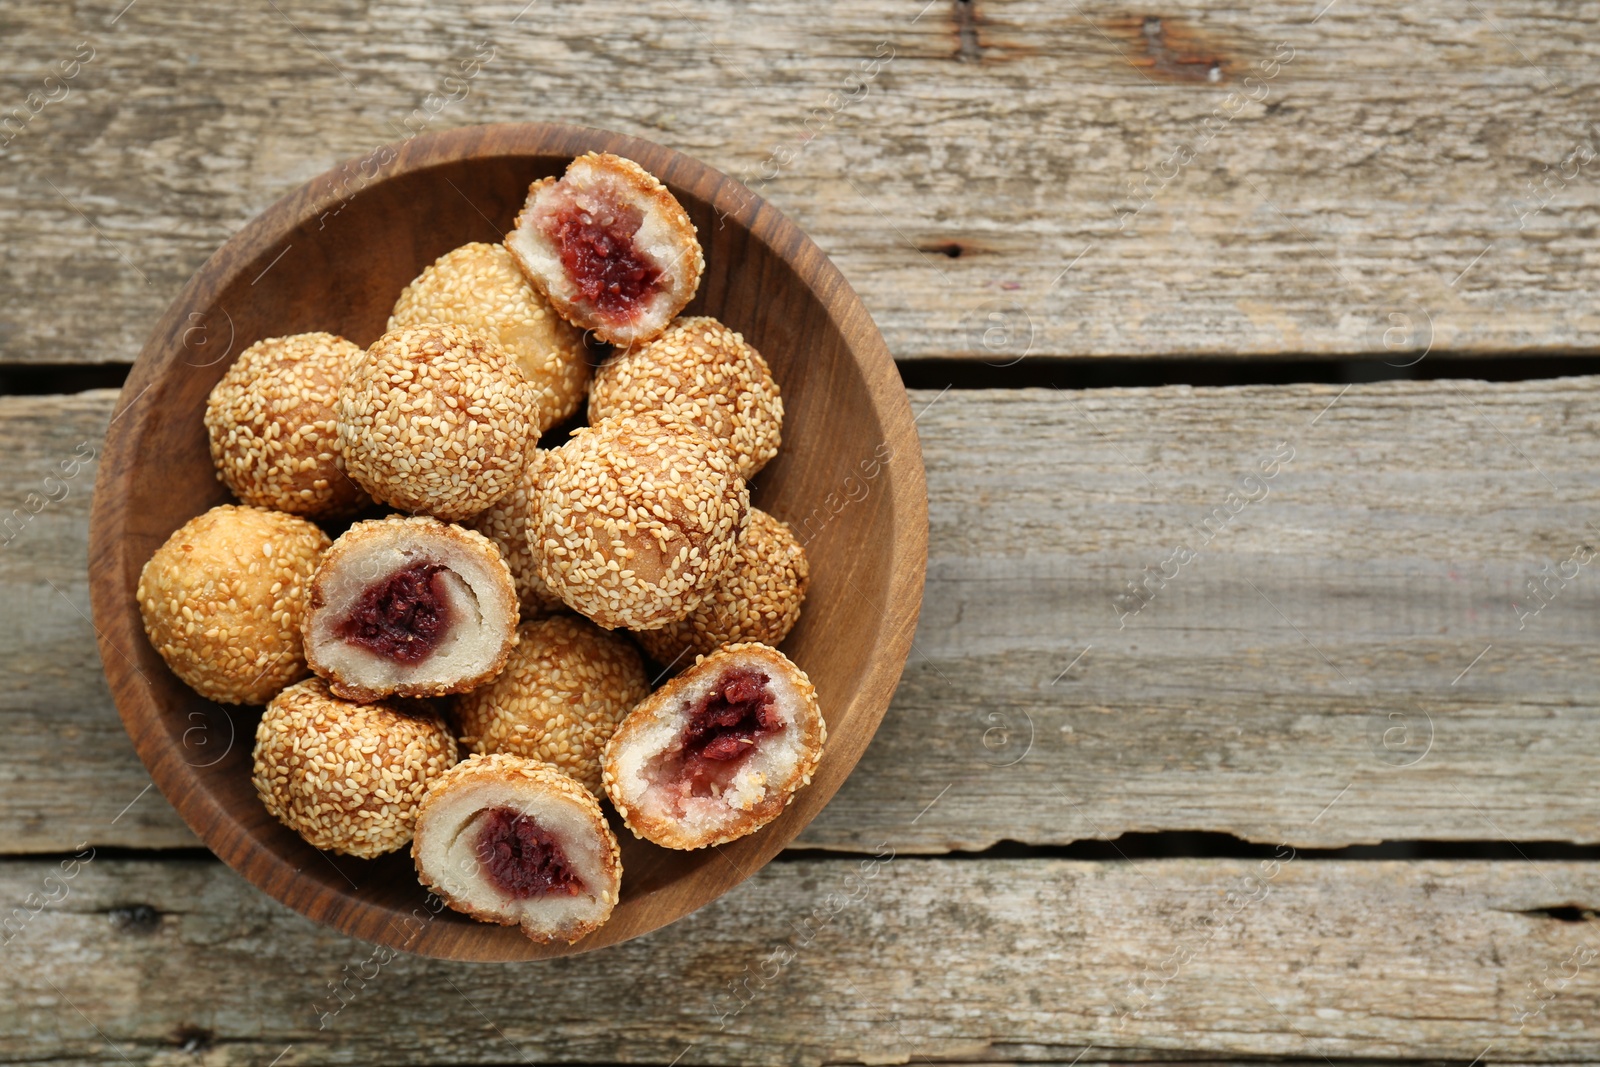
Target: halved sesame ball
{"x": 437, "y": 419}
{"x": 759, "y": 600}
{"x": 718, "y": 752}
{"x": 563, "y": 692}
{"x": 348, "y": 777}
{"x": 636, "y": 519}
{"x": 223, "y": 598}
{"x": 479, "y": 286}
{"x": 706, "y": 371}
{"x": 512, "y": 841}
{"x": 274, "y": 435}
{"x": 610, "y": 247}
{"x": 506, "y": 524}
{"x": 409, "y": 606}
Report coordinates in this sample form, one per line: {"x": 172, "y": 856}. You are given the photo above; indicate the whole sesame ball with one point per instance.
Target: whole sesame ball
{"x": 274, "y": 436}
{"x": 560, "y": 698}
{"x": 348, "y": 777}
{"x": 759, "y": 600}
{"x": 636, "y": 518}
{"x": 480, "y": 286}
{"x": 223, "y": 598}
{"x": 436, "y": 419}
{"x": 706, "y": 371}
{"x": 506, "y": 524}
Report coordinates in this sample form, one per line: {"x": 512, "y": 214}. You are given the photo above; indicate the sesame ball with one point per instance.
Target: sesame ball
{"x": 759, "y": 600}
{"x": 636, "y": 520}
{"x": 223, "y": 598}
{"x": 436, "y": 419}
{"x": 567, "y": 686}
{"x": 506, "y": 524}
{"x": 706, "y": 371}
{"x": 348, "y": 777}
{"x": 610, "y": 247}
{"x": 513, "y": 841}
{"x": 409, "y": 606}
{"x": 719, "y": 751}
{"x": 274, "y": 437}
{"x": 479, "y": 286}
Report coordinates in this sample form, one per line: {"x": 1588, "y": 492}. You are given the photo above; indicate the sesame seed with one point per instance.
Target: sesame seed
{"x": 411, "y": 442}
{"x": 312, "y": 749}
{"x": 558, "y": 660}
{"x": 723, "y": 385}
{"x": 758, "y": 600}
{"x": 250, "y": 646}
{"x": 271, "y": 428}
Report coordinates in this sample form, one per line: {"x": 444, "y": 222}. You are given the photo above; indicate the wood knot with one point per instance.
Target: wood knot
{"x": 137, "y": 919}
{"x": 193, "y": 1039}
{"x": 1171, "y": 50}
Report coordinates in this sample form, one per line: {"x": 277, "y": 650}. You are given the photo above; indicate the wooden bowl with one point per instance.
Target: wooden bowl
{"x": 334, "y": 255}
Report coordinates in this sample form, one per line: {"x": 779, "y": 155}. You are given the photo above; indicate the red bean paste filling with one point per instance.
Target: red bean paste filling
{"x": 403, "y": 617}
{"x": 600, "y": 257}
{"x": 725, "y": 727}
{"x": 523, "y": 859}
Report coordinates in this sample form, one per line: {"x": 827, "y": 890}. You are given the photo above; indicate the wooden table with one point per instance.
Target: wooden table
{"x": 1252, "y": 719}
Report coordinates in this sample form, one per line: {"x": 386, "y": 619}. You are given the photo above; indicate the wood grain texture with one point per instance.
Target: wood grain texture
{"x": 907, "y": 960}
{"x": 1396, "y": 539}
{"x": 68, "y": 769}
{"x": 955, "y": 159}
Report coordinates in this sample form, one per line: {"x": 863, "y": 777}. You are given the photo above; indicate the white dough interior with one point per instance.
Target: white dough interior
{"x": 646, "y": 767}
{"x": 599, "y": 192}
{"x": 449, "y": 840}
{"x": 470, "y": 642}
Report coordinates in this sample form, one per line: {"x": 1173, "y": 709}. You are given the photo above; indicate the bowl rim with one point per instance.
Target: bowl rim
{"x": 116, "y": 613}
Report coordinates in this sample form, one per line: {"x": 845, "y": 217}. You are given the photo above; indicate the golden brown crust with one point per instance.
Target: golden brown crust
{"x": 637, "y": 519}
{"x": 437, "y": 419}
{"x": 662, "y": 211}
{"x": 347, "y": 777}
{"x": 480, "y": 286}
{"x": 274, "y": 436}
{"x": 351, "y": 541}
{"x": 506, "y": 524}
{"x": 700, "y": 368}
{"x": 563, "y": 692}
{"x": 759, "y": 600}
{"x": 518, "y": 772}
{"x": 223, "y": 598}
{"x": 661, "y": 705}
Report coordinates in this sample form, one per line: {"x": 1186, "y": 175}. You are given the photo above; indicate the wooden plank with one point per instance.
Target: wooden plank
{"x": 1342, "y": 662}
{"x": 878, "y": 961}
{"x": 956, "y": 159}
{"x": 68, "y": 768}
